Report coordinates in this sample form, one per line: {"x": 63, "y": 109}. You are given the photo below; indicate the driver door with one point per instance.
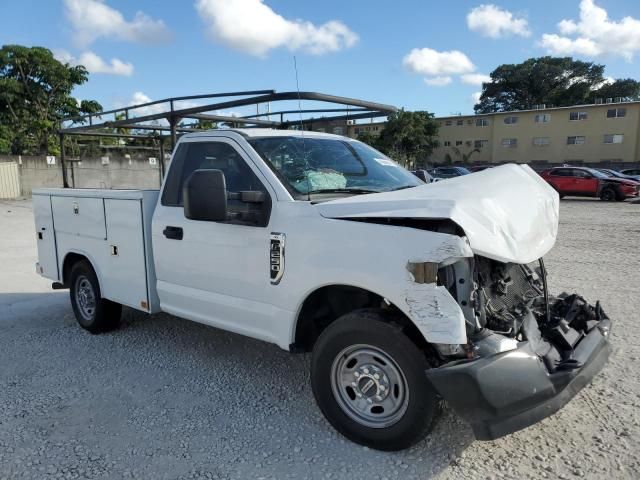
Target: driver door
{"x": 214, "y": 272}
{"x": 584, "y": 182}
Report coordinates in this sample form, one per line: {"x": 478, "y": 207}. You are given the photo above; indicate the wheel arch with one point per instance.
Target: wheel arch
{"x": 70, "y": 259}
{"x": 324, "y": 305}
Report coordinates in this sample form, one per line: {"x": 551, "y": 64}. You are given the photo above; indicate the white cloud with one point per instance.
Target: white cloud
{"x": 253, "y": 27}
{"x": 594, "y": 35}
{"x": 139, "y": 98}
{"x": 95, "y": 64}
{"x": 438, "y": 81}
{"x": 492, "y": 21}
{"x": 475, "y": 97}
{"x": 432, "y": 63}
{"x": 475, "y": 78}
{"x": 557, "y": 45}
{"x": 92, "y": 19}
{"x": 438, "y": 67}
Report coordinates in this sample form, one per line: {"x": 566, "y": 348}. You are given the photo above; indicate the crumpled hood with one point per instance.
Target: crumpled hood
{"x": 508, "y": 213}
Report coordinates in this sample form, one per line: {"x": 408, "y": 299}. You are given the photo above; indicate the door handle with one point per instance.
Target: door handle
{"x": 174, "y": 233}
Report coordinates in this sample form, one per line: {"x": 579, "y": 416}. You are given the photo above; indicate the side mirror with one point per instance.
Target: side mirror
{"x": 205, "y": 196}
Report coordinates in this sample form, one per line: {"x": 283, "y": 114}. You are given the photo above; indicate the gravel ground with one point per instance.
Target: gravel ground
{"x": 167, "y": 398}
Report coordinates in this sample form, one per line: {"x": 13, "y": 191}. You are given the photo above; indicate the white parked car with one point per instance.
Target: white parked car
{"x": 405, "y": 293}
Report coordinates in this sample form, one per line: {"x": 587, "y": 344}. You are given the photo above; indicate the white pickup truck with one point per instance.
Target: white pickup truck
{"x": 405, "y": 293}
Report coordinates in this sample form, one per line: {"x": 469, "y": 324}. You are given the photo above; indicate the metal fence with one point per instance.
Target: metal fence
{"x": 9, "y": 180}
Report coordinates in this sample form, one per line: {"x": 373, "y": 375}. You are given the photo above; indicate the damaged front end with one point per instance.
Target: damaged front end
{"x": 528, "y": 353}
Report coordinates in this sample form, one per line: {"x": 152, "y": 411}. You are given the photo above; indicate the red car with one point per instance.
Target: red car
{"x": 587, "y": 182}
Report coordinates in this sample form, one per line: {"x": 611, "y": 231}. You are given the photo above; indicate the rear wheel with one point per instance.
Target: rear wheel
{"x": 369, "y": 380}
{"x": 93, "y": 313}
{"x": 608, "y": 194}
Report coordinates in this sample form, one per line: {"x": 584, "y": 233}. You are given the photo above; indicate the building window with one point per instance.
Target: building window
{"x": 447, "y": 143}
{"x": 509, "y": 142}
{"x": 458, "y": 143}
{"x": 542, "y": 118}
{"x": 577, "y": 116}
{"x": 616, "y": 112}
{"x": 480, "y": 143}
{"x": 613, "y": 138}
{"x": 447, "y": 123}
{"x": 541, "y": 141}
{"x": 576, "y": 140}
{"x": 510, "y": 120}
{"x": 337, "y": 130}
{"x": 459, "y": 122}
{"x": 482, "y": 122}
{"x": 470, "y": 122}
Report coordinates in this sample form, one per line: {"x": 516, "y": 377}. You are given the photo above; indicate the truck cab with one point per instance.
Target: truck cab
{"x": 403, "y": 292}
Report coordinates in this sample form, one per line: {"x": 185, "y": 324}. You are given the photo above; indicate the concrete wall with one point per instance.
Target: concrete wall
{"x": 120, "y": 172}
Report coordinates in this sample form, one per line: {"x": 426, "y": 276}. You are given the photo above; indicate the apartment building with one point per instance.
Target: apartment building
{"x": 598, "y": 134}
{"x": 347, "y": 128}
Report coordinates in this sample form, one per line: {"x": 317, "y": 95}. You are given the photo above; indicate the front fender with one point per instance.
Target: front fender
{"x": 379, "y": 259}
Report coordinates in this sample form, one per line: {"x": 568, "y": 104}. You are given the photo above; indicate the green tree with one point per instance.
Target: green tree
{"x": 625, "y": 88}
{"x": 557, "y": 81}
{"x": 35, "y": 93}
{"x": 368, "y": 138}
{"x": 409, "y": 137}
{"x": 205, "y": 125}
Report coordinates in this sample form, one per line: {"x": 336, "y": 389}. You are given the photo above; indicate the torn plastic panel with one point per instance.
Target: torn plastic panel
{"x": 505, "y": 392}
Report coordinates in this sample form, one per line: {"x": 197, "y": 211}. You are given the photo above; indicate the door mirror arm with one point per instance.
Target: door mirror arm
{"x": 247, "y": 196}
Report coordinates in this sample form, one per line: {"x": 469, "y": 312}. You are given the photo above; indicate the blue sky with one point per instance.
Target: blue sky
{"x": 416, "y": 54}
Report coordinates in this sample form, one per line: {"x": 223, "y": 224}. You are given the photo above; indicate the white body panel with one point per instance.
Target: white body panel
{"x": 46, "y": 238}
{"x": 79, "y": 216}
{"x": 219, "y": 273}
{"x": 111, "y": 229}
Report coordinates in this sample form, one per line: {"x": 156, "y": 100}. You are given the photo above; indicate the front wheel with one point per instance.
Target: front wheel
{"x": 93, "y": 313}
{"x": 369, "y": 380}
{"x": 608, "y": 194}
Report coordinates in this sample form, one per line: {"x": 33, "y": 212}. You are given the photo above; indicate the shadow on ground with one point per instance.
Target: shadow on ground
{"x": 180, "y": 394}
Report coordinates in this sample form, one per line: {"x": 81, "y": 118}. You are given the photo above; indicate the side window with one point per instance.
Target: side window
{"x": 239, "y": 177}
{"x": 561, "y": 172}
{"x": 580, "y": 173}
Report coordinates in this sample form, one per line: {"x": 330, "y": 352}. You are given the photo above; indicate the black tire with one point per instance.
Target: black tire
{"x": 370, "y": 328}
{"x": 98, "y": 316}
{"x": 608, "y": 194}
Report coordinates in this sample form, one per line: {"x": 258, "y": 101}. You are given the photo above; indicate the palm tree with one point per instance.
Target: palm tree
{"x": 464, "y": 158}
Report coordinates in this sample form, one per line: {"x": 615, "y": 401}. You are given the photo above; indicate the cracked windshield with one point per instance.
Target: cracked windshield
{"x": 314, "y": 165}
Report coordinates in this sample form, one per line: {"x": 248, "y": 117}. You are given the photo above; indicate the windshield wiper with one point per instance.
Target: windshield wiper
{"x": 402, "y": 188}
{"x": 343, "y": 190}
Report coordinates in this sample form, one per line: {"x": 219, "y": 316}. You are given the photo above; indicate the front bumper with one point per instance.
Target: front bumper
{"x": 509, "y": 391}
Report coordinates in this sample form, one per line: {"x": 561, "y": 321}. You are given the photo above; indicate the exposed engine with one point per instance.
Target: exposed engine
{"x": 510, "y": 303}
